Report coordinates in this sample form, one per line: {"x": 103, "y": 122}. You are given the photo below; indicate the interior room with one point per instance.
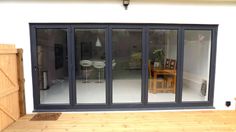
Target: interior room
{"x": 90, "y": 65}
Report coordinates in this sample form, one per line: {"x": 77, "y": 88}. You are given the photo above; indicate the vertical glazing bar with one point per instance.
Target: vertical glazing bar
{"x": 212, "y": 65}
{"x": 145, "y": 65}
{"x": 108, "y": 50}
{"x": 71, "y": 64}
{"x": 36, "y": 91}
{"x": 180, "y": 59}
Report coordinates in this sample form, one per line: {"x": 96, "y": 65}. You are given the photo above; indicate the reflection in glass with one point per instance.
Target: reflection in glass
{"x": 197, "y": 44}
{"x": 126, "y": 65}
{"x": 162, "y": 65}
{"x": 52, "y": 66}
{"x": 90, "y": 65}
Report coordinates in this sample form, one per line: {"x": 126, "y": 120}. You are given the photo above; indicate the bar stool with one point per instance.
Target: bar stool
{"x": 99, "y": 65}
{"x": 86, "y": 64}
{"x": 113, "y": 63}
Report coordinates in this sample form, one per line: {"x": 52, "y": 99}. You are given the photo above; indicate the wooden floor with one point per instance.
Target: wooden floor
{"x": 197, "y": 121}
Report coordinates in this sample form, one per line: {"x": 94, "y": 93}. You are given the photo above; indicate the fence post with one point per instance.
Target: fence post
{"x": 21, "y": 82}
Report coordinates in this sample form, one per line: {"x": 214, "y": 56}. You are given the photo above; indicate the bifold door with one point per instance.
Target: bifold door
{"x": 110, "y": 66}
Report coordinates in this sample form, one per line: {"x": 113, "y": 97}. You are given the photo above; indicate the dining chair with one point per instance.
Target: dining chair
{"x": 169, "y": 80}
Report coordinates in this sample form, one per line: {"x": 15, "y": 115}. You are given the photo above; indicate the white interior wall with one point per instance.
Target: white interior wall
{"x": 16, "y": 16}
{"x": 171, "y": 46}
{"x": 196, "y": 61}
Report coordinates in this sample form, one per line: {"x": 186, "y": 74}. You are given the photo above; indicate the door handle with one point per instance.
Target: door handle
{"x": 36, "y": 68}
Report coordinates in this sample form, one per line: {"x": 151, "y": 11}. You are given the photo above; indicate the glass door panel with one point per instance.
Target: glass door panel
{"x": 52, "y": 65}
{"x": 90, "y": 66}
{"x": 197, "y": 49}
{"x": 162, "y": 60}
{"x": 127, "y": 65}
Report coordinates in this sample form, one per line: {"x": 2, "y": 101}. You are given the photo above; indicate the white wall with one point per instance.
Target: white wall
{"x": 16, "y": 16}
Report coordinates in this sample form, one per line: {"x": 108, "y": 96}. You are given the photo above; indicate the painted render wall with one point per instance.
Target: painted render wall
{"x": 16, "y": 16}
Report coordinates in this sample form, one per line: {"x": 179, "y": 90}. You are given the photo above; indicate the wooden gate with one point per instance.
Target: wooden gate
{"x": 10, "y": 94}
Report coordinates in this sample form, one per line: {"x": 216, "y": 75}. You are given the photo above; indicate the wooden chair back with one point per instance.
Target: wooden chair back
{"x": 149, "y": 69}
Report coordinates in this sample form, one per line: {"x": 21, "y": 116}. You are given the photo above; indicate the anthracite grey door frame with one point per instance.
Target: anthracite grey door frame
{"x": 213, "y": 29}
{"x": 72, "y": 106}
{"x": 34, "y": 62}
{"x": 143, "y": 76}
{"x": 178, "y": 69}
{"x": 105, "y": 27}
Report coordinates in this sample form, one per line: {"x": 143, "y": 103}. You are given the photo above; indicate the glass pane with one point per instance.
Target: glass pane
{"x": 162, "y": 65}
{"x": 197, "y": 46}
{"x": 52, "y": 66}
{"x": 126, "y": 65}
{"x": 90, "y": 65}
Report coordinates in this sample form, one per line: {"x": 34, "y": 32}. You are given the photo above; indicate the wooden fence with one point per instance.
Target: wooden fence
{"x": 12, "y": 104}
